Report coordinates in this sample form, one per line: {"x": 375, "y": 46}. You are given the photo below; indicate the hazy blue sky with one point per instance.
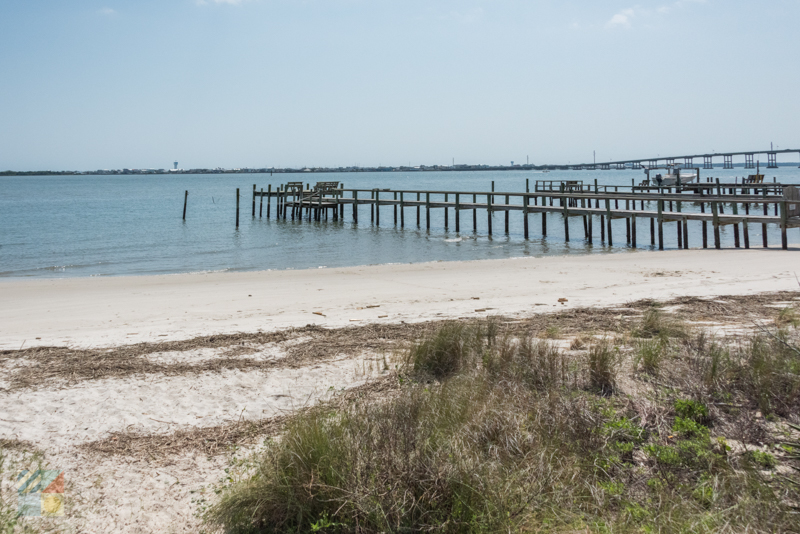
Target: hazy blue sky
{"x": 91, "y": 84}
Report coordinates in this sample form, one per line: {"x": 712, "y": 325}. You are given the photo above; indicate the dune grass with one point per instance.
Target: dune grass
{"x": 492, "y": 434}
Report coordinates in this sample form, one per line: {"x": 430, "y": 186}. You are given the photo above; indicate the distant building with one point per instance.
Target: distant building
{"x": 176, "y": 166}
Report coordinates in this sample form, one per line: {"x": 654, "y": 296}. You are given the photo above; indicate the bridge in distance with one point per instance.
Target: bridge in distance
{"x": 684, "y": 161}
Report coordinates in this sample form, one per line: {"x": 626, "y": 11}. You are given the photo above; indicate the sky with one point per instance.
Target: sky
{"x": 109, "y": 84}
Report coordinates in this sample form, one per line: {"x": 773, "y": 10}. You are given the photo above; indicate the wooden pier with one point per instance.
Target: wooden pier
{"x": 712, "y": 206}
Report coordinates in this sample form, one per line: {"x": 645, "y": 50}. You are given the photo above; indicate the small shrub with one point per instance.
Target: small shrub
{"x": 691, "y": 409}
{"x": 788, "y": 317}
{"x": 655, "y": 324}
{"x": 624, "y": 431}
{"x": 649, "y": 354}
{"x": 552, "y": 332}
{"x": 603, "y": 361}
{"x": 690, "y": 428}
{"x": 763, "y": 460}
{"x": 452, "y": 348}
{"x": 540, "y": 365}
{"x": 768, "y": 372}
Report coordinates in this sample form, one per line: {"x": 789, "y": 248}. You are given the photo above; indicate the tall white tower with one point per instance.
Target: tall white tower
{"x": 176, "y": 166}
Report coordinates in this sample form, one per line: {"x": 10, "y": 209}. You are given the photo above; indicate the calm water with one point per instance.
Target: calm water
{"x": 131, "y": 225}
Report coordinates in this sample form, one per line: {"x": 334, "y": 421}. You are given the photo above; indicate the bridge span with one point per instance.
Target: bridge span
{"x": 685, "y": 161}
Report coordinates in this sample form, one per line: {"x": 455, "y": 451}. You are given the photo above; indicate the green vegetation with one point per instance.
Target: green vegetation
{"x": 650, "y": 355}
{"x": 495, "y": 434}
{"x": 656, "y": 324}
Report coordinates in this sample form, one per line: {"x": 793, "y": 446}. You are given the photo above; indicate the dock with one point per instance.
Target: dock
{"x": 711, "y": 205}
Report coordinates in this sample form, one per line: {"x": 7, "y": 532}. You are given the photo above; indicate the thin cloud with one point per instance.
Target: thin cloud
{"x": 625, "y": 17}
{"x": 107, "y": 11}
{"x": 622, "y": 19}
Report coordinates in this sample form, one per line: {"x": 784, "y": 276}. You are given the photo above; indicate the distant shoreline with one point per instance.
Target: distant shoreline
{"x": 325, "y": 170}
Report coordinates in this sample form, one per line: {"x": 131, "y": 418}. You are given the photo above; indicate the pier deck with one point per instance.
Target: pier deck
{"x": 747, "y": 204}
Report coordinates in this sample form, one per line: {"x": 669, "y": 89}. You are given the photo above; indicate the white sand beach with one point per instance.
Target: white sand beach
{"x": 91, "y": 312}
{"x": 141, "y": 494}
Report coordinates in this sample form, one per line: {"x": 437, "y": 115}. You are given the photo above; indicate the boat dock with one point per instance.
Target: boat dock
{"x": 711, "y": 205}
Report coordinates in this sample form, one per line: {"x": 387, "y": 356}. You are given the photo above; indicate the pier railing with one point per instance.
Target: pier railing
{"x": 706, "y": 203}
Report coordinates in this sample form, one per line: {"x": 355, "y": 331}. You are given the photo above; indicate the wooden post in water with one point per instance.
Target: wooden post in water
{"x": 608, "y": 222}
{"x": 507, "y": 212}
{"x": 372, "y": 207}
{"x": 355, "y": 206}
{"x": 428, "y": 211}
{"x": 525, "y": 201}
{"x": 340, "y": 195}
{"x": 445, "y": 211}
{"x": 735, "y": 227}
{"x": 418, "y": 209}
{"x": 269, "y": 198}
{"x": 764, "y": 225}
{"x": 746, "y": 232}
{"x": 565, "y": 205}
{"x": 544, "y": 218}
{"x": 633, "y": 229}
{"x": 377, "y": 208}
{"x": 784, "y": 225}
{"x": 254, "y": 201}
{"x": 402, "y": 211}
{"x": 715, "y": 222}
{"x": 660, "y": 224}
{"x": 627, "y": 223}
{"x": 489, "y": 209}
{"x": 602, "y": 227}
{"x": 474, "y": 214}
{"x": 652, "y": 231}
{"x": 261, "y": 204}
{"x": 185, "y": 198}
{"x": 395, "y": 209}
{"x": 237, "y": 207}
{"x": 458, "y": 216}
{"x": 705, "y": 225}
{"x": 678, "y": 224}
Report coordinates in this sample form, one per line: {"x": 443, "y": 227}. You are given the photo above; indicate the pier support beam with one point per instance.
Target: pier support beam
{"x": 727, "y": 162}
{"x": 525, "y": 201}
{"x": 715, "y": 214}
{"x": 458, "y": 213}
{"x": 772, "y": 160}
{"x": 489, "y": 200}
{"x": 660, "y": 225}
{"x": 708, "y": 162}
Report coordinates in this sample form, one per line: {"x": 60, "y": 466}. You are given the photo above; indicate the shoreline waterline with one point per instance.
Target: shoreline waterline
{"x": 107, "y": 311}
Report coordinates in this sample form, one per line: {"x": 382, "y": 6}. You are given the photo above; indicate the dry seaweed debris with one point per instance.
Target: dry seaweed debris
{"x": 48, "y": 365}
{"x": 213, "y": 440}
{"x": 67, "y": 366}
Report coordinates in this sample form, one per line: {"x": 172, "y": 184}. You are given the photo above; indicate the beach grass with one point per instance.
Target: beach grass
{"x": 497, "y": 433}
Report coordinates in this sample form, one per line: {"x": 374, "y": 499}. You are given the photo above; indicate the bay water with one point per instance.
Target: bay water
{"x": 67, "y": 226}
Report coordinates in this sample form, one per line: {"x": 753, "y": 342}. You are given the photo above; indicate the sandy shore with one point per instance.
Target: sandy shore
{"x": 88, "y": 312}
{"x": 153, "y": 393}
{"x": 110, "y": 311}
